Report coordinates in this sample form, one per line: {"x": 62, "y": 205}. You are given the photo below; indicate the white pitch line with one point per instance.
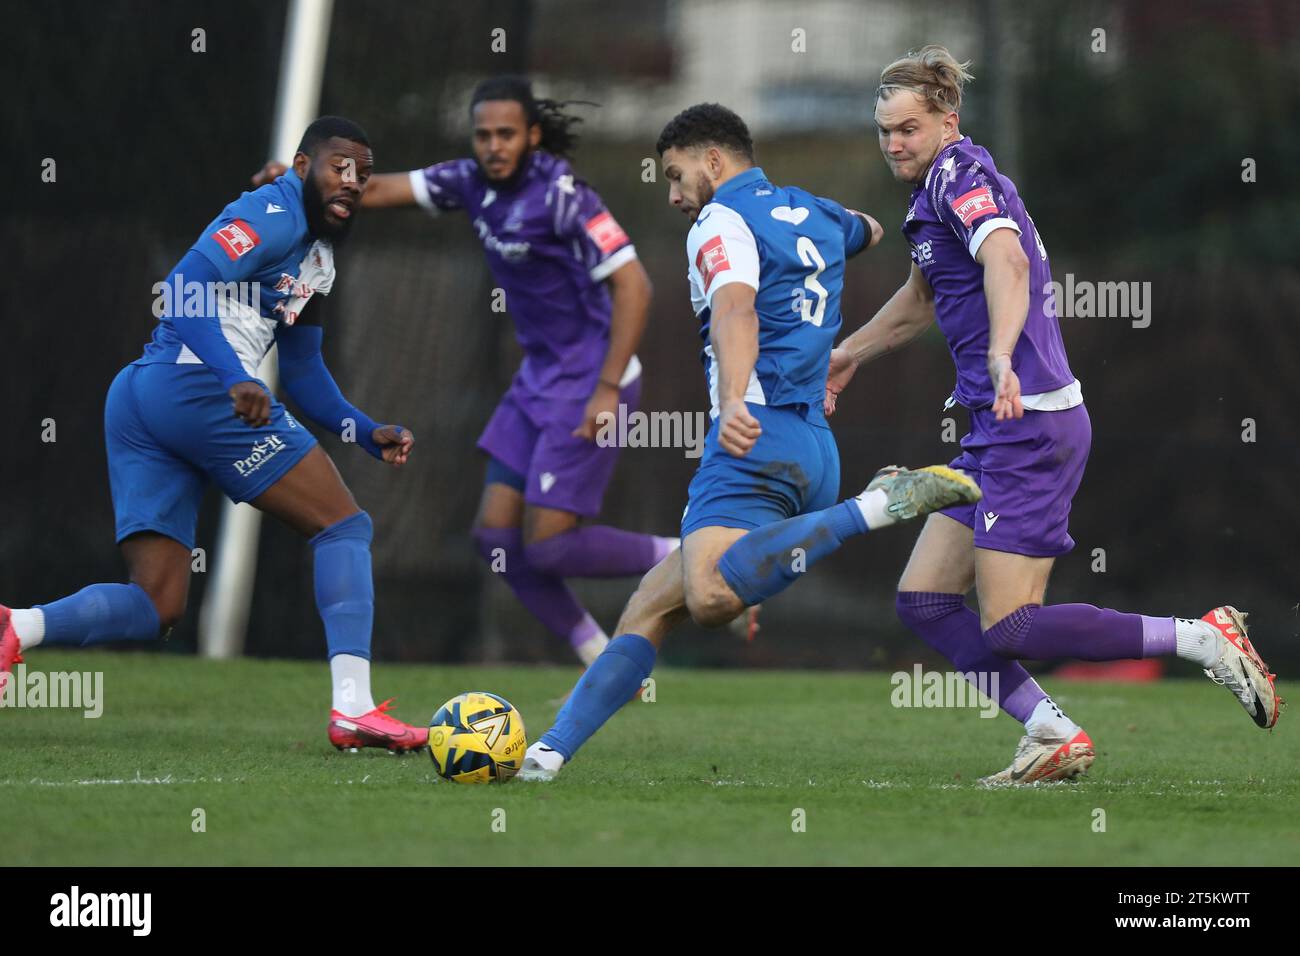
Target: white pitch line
{"x": 169, "y": 779}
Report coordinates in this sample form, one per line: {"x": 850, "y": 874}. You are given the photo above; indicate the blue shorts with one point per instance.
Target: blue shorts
{"x": 793, "y": 468}
{"x": 171, "y": 428}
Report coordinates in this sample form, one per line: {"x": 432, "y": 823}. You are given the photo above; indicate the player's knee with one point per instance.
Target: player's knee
{"x": 549, "y": 555}
{"x": 501, "y": 548}
{"x": 1006, "y": 637}
{"x": 713, "y": 606}
{"x": 356, "y": 525}
{"x": 494, "y": 521}
{"x": 917, "y": 608}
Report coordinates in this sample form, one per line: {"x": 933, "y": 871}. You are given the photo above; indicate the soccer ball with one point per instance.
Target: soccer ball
{"x": 477, "y": 738}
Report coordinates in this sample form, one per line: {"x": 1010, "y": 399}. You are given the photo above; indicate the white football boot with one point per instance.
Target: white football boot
{"x": 541, "y": 764}
{"x": 1240, "y": 668}
{"x": 1046, "y": 758}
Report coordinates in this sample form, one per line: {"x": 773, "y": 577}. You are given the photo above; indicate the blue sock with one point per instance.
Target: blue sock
{"x": 764, "y": 562}
{"x": 607, "y": 685}
{"x": 345, "y": 590}
{"x": 101, "y": 613}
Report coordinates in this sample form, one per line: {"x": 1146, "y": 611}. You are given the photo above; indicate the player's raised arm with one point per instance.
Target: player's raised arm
{"x": 906, "y": 315}
{"x": 384, "y": 190}
{"x": 389, "y": 189}
{"x": 1006, "y": 289}
{"x": 310, "y": 384}
{"x": 733, "y": 332}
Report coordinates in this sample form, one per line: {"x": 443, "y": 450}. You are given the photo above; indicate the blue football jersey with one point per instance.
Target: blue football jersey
{"x": 260, "y": 238}
{"x": 790, "y": 247}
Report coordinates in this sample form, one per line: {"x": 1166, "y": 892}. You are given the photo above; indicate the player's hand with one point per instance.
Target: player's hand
{"x": 838, "y": 374}
{"x": 603, "y": 401}
{"x": 737, "y": 428}
{"x": 252, "y": 403}
{"x": 396, "y": 443}
{"x": 269, "y": 173}
{"x": 1006, "y": 389}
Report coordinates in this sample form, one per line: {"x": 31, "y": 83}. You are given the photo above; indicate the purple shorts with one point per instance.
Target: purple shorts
{"x": 532, "y": 434}
{"x": 1028, "y": 471}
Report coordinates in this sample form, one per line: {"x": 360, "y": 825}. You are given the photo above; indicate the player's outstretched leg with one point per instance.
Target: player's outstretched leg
{"x": 1218, "y": 642}
{"x": 1017, "y": 625}
{"x": 153, "y": 601}
{"x": 612, "y": 680}
{"x": 769, "y": 559}
{"x": 597, "y": 551}
{"x": 714, "y": 576}
{"x": 527, "y": 566}
{"x": 312, "y": 499}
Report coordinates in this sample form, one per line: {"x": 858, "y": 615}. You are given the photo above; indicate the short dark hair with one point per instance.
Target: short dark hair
{"x": 558, "y": 134}
{"x": 707, "y": 124}
{"x": 325, "y": 128}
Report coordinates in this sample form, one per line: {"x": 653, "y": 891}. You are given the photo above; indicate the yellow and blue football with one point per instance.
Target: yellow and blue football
{"x": 477, "y": 738}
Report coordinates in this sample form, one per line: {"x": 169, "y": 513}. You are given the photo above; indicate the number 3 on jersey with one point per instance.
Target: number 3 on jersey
{"x": 811, "y": 310}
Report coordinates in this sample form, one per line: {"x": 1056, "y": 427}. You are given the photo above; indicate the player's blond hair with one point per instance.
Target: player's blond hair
{"x": 932, "y": 73}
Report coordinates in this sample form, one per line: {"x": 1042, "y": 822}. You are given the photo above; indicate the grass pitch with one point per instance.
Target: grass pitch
{"x": 713, "y": 772}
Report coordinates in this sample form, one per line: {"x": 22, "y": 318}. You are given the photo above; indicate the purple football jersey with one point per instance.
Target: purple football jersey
{"x": 962, "y": 201}
{"x": 550, "y": 243}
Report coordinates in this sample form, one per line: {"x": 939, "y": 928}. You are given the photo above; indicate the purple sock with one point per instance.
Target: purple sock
{"x": 545, "y": 596}
{"x": 945, "y": 623}
{"x": 1043, "y": 632}
{"x": 598, "y": 551}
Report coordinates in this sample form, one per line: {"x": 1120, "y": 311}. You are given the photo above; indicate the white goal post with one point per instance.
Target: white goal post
{"x": 223, "y": 618}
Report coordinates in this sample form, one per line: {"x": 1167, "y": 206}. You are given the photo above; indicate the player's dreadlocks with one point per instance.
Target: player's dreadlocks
{"x": 707, "y": 124}
{"x": 558, "y": 136}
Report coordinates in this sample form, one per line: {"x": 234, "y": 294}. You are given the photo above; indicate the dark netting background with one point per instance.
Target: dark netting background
{"x": 1132, "y": 172}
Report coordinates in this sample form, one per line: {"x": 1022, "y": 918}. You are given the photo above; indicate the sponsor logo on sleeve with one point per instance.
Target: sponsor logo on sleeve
{"x": 970, "y": 206}
{"x": 238, "y": 239}
{"x": 605, "y": 232}
{"x": 712, "y": 259}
